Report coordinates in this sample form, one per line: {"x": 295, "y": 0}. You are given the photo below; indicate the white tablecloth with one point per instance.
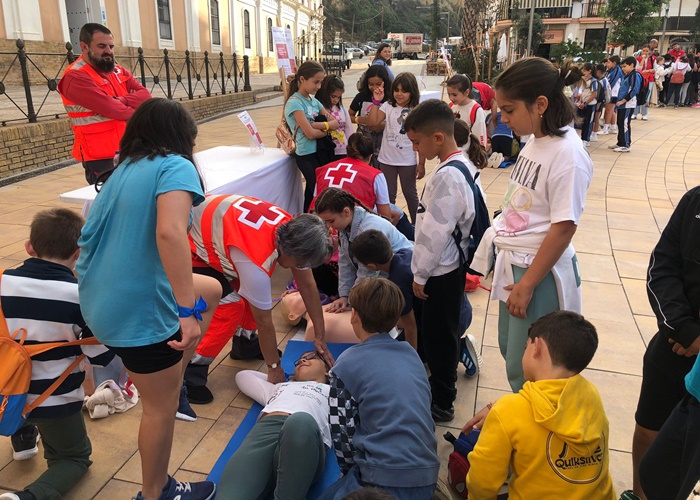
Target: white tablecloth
{"x": 271, "y": 175}
{"x": 430, "y": 94}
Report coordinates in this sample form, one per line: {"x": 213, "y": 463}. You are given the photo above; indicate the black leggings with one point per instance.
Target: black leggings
{"x": 308, "y": 165}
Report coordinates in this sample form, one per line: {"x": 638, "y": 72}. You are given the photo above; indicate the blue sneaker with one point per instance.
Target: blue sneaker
{"x": 184, "y": 410}
{"x": 175, "y": 490}
{"x": 469, "y": 355}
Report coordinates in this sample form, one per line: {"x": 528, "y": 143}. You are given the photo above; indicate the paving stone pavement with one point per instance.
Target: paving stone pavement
{"x": 630, "y": 200}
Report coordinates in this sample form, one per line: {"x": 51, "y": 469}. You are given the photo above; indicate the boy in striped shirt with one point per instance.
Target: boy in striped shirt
{"x": 42, "y": 296}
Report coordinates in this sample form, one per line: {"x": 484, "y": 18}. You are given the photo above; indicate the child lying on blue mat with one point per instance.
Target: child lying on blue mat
{"x": 286, "y": 449}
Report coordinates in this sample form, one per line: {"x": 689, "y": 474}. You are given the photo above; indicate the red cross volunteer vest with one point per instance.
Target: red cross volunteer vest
{"x": 351, "y": 175}
{"x": 224, "y": 221}
{"x": 96, "y": 137}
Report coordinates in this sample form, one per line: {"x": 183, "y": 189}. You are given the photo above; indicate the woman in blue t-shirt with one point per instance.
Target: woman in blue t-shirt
{"x": 137, "y": 291}
{"x": 300, "y": 111}
{"x": 383, "y": 58}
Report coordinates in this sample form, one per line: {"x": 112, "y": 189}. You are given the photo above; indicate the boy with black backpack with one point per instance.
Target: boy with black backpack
{"x": 41, "y": 296}
{"x": 451, "y": 212}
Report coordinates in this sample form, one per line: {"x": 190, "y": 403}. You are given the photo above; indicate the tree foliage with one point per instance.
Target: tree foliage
{"x": 400, "y": 16}
{"x": 631, "y": 22}
{"x": 571, "y": 49}
{"x": 521, "y": 20}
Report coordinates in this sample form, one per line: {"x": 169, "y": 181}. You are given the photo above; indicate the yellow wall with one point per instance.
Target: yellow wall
{"x": 204, "y": 33}
{"x": 149, "y": 25}
{"x": 179, "y": 24}
{"x": 3, "y": 33}
{"x": 225, "y": 28}
{"x": 50, "y": 21}
{"x": 113, "y": 21}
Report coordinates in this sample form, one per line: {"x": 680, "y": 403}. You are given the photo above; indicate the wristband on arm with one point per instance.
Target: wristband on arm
{"x": 199, "y": 307}
{"x": 376, "y": 102}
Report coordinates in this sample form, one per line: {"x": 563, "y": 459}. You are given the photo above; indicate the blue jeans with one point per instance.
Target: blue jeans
{"x": 352, "y": 481}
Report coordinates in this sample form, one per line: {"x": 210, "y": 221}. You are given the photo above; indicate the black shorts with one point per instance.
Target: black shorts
{"x": 663, "y": 383}
{"x": 149, "y": 358}
{"x": 613, "y": 100}
{"x": 226, "y": 287}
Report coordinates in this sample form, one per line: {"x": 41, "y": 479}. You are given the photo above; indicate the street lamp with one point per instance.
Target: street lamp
{"x": 663, "y": 33}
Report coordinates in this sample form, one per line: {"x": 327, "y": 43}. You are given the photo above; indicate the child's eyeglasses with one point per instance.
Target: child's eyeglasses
{"x": 308, "y": 356}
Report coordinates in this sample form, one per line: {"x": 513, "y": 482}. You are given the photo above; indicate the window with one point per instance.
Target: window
{"x": 164, "y": 20}
{"x": 246, "y": 29}
{"x": 214, "y": 14}
{"x": 594, "y": 39}
{"x": 270, "y": 44}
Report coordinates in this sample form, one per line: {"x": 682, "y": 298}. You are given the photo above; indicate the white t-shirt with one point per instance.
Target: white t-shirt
{"x": 289, "y": 397}
{"x": 397, "y": 149}
{"x": 588, "y": 90}
{"x": 479, "y": 125}
{"x": 547, "y": 184}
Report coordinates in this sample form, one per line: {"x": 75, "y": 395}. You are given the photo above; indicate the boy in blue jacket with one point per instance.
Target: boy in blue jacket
{"x": 626, "y": 102}
{"x": 382, "y": 429}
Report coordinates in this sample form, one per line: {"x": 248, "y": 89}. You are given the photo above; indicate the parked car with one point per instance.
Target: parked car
{"x": 357, "y": 53}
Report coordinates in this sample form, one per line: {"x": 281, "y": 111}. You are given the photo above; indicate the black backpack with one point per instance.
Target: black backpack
{"x": 600, "y": 96}
{"x": 481, "y": 218}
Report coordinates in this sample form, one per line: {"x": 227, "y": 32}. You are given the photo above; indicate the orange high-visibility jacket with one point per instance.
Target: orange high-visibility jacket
{"x": 96, "y": 137}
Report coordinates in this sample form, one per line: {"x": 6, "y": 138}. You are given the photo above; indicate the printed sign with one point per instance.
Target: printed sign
{"x": 284, "y": 49}
{"x": 250, "y": 125}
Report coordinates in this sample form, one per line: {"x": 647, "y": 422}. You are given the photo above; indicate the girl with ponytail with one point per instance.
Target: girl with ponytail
{"x": 349, "y": 216}
{"x": 300, "y": 110}
{"x": 536, "y": 268}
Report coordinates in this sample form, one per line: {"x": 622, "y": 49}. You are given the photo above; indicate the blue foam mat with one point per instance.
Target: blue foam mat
{"x": 331, "y": 473}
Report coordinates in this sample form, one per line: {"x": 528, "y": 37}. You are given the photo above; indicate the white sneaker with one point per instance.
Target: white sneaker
{"x": 622, "y": 149}
{"x": 495, "y": 160}
{"x": 594, "y": 137}
{"x": 613, "y": 129}
{"x": 644, "y": 118}
{"x": 613, "y": 146}
{"x": 586, "y": 144}
{"x": 604, "y": 132}
{"x": 470, "y": 356}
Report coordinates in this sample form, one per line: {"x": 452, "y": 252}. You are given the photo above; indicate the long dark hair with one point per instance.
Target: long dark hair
{"x": 408, "y": 84}
{"x": 378, "y": 54}
{"x": 527, "y": 79}
{"x": 307, "y": 69}
{"x": 330, "y": 84}
{"x": 360, "y": 146}
{"x": 475, "y": 151}
{"x": 159, "y": 127}
{"x": 376, "y": 70}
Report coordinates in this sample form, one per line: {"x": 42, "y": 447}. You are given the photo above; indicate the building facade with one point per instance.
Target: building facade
{"x": 584, "y": 22}
{"x": 243, "y": 27}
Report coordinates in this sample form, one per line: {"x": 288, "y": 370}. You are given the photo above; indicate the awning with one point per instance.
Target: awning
{"x": 543, "y": 4}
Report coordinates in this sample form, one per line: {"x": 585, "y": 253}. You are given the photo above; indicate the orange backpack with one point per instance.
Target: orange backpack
{"x": 16, "y": 374}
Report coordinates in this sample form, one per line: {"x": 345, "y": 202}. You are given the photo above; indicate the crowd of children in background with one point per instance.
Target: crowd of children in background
{"x": 382, "y": 436}
{"x": 626, "y": 88}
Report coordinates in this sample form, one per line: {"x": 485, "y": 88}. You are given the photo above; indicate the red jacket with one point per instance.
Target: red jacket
{"x": 676, "y": 53}
{"x": 647, "y": 65}
{"x": 98, "y": 106}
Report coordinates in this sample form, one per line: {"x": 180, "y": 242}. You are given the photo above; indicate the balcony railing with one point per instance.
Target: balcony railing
{"x": 595, "y": 9}
{"x": 27, "y": 89}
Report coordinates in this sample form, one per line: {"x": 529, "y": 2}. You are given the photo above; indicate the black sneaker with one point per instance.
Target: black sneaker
{"x": 25, "y": 443}
{"x": 442, "y": 414}
{"x": 246, "y": 348}
{"x": 184, "y": 410}
{"x": 629, "y": 495}
{"x": 199, "y": 394}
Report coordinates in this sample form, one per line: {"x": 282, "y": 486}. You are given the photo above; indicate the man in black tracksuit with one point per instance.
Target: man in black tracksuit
{"x": 673, "y": 287}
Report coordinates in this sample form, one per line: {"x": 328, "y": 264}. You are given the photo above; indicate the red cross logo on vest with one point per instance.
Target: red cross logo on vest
{"x": 340, "y": 174}
{"x": 255, "y": 212}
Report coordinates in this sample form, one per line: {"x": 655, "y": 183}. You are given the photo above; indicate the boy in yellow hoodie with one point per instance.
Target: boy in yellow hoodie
{"x": 553, "y": 436}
